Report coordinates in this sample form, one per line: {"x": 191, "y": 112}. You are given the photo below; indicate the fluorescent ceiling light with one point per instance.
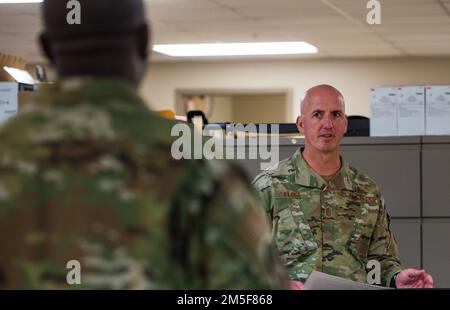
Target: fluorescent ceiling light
{"x": 235, "y": 49}
{"x": 20, "y": 1}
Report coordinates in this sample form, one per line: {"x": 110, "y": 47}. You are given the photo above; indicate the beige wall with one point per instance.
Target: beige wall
{"x": 354, "y": 77}
{"x": 259, "y": 109}
{"x": 248, "y": 108}
{"x": 222, "y": 109}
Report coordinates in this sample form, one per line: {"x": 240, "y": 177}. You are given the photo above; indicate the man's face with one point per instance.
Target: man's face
{"x": 323, "y": 121}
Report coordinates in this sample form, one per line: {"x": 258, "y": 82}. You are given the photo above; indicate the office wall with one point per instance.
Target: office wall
{"x": 248, "y": 108}
{"x": 354, "y": 77}
{"x": 259, "y": 109}
{"x": 222, "y": 109}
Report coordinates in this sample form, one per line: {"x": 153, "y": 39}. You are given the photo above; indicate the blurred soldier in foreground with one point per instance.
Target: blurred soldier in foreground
{"x": 327, "y": 215}
{"x": 86, "y": 176}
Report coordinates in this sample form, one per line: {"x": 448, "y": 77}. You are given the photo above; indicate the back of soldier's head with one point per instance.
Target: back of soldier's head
{"x": 88, "y": 32}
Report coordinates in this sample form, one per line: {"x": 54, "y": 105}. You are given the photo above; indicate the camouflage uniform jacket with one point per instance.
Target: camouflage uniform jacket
{"x": 334, "y": 227}
{"x": 86, "y": 174}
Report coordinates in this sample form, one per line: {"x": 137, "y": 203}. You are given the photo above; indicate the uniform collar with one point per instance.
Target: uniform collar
{"x": 306, "y": 176}
{"x": 75, "y": 90}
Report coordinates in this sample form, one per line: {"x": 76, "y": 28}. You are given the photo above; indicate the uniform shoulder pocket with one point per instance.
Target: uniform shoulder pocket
{"x": 292, "y": 233}
{"x": 362, "y": 230}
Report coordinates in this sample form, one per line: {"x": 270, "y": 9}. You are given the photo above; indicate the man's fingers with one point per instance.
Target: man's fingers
{"x": 414, "y": 273}
{"x": 418, "y": 284}
{"x": 415, "y": 278}
{"x": 296, "y": 285}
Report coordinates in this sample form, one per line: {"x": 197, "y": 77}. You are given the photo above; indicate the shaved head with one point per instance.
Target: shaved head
{"x": 319, "y": 90}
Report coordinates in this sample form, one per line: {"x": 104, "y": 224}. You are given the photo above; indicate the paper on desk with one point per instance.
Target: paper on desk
{"x": 322, "y": 281}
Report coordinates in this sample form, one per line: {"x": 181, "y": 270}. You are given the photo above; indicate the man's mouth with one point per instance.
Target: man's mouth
{"x": 327, "y": 136}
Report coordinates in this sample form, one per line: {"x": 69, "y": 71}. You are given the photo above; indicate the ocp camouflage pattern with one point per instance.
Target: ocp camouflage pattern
{"x": 86, "y": 174}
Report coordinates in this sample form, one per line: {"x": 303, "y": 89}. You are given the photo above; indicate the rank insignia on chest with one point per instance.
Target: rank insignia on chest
{"x": 328, "y": 212}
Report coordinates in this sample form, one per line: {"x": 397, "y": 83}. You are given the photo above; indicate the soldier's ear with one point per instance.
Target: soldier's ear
{"x": 44, "y": 42}
{"x": 300, "y": 124}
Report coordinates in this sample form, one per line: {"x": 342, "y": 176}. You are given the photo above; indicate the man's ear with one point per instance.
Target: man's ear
{"x": 143, "y": 41}
{"x": 300, "y": 124}
{"x": 44, "y": 42}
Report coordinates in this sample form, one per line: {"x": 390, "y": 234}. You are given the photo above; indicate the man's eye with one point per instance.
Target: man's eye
{"x": 337, "y": 114}
{"x": 317, "y": 114}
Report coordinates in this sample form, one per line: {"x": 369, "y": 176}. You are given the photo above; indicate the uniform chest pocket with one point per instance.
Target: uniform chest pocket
{"x": 362, "y": 231}
{"x": 292, "y": 234}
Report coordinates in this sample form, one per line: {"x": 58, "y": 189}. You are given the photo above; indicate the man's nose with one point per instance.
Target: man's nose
{"x": 327, "y": 122}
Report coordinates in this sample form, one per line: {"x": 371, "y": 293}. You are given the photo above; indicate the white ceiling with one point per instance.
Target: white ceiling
{"x": 337, "y": 27}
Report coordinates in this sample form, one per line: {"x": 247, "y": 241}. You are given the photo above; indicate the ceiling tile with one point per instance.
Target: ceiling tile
{"x": 337, "y": 27}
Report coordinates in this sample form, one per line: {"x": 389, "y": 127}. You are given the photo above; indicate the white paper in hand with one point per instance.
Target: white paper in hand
{"x": 322, "y": 281}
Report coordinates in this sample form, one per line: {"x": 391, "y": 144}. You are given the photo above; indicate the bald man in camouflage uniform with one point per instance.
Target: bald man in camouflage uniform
{"x": 86, "y": 175}
{"x": 325, "y": 214}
